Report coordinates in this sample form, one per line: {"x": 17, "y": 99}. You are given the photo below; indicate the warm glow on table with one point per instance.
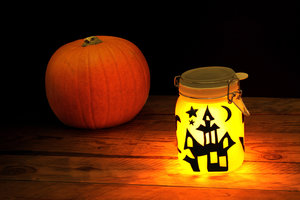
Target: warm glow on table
{"x": 139, "y": 160}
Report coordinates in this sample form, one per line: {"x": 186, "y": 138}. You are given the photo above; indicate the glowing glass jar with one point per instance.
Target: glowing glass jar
{"x": 210, "y": 119}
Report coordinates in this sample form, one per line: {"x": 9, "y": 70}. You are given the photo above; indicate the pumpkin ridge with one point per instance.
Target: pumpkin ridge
{"x": 90, "y": 90}
{"x": 109, "y": 49}
{"x": 67, "y": 57}
{"x": 132, "y": 74}
{"x": 106, "y": 83}
{"x": 82, "y": 116}
{"x": 140, "y": 61}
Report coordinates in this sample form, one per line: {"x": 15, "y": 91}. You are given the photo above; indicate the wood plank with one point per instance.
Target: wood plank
{"x": 286, "y": 149}
{"x": 142, "y": 154}
{"x": 154, "y": 171}
{"x": 256, "y": 105}
{"x": 275, "y": 147}
{"x": 160, "y": 104}
{"x": 260, "y": 146}
{"x": 257, "y": 123}
{"x": 277, "y": 106}
{"x": 36, "y": 190}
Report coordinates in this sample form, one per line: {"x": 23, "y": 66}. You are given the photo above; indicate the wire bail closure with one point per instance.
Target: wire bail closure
{"x": 235, "y": 93}
{"x": 230, "y": 96}
{"x": 176, "y": 81}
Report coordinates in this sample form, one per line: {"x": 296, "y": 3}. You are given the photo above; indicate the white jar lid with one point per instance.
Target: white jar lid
{"x": 209, "y": 82}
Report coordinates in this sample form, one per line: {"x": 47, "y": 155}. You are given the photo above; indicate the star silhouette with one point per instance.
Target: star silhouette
{"x": 192, "y": 122}
{"x": 192, "y": 112}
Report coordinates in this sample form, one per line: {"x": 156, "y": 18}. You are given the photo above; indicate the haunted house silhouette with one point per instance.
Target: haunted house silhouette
{"x": 215, "y": 149}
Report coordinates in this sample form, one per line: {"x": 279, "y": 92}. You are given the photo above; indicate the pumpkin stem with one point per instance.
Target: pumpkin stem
{"x": 91, "y": 40}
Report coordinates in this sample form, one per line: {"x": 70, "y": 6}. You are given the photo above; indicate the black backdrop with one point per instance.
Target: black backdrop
{"x": 253, "y": 38}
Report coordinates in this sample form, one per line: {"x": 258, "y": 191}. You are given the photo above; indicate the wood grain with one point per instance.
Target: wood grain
{"x": 149, "y": 171}
{"x": 132, "y": 144}
{"x": 138, "y": 160}
{"x": 92, "y": 191}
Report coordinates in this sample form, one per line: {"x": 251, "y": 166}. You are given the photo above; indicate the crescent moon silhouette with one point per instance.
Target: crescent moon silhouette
{"x": 229, "y": 113}
{"x": 177, "y": 118}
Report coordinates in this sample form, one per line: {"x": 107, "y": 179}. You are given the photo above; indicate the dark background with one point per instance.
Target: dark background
{"x": 260, "y": 39}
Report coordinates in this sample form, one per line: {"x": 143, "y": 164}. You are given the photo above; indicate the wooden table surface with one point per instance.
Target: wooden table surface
{"x": 138, "y": 160}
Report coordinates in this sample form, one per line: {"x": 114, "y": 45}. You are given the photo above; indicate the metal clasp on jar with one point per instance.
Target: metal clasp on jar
{"x": 236, "y": 97}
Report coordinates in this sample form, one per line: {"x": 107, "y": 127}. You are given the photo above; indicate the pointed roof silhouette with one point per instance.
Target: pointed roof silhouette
{"x": 207, "y": 113}
{"x": 207, "y": 127}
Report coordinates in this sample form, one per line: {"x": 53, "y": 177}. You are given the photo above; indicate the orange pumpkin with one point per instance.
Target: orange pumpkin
{"x": 97, "y": 82}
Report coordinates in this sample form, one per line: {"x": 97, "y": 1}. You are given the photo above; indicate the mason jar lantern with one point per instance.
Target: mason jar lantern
{"x": 209, "y": 117}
